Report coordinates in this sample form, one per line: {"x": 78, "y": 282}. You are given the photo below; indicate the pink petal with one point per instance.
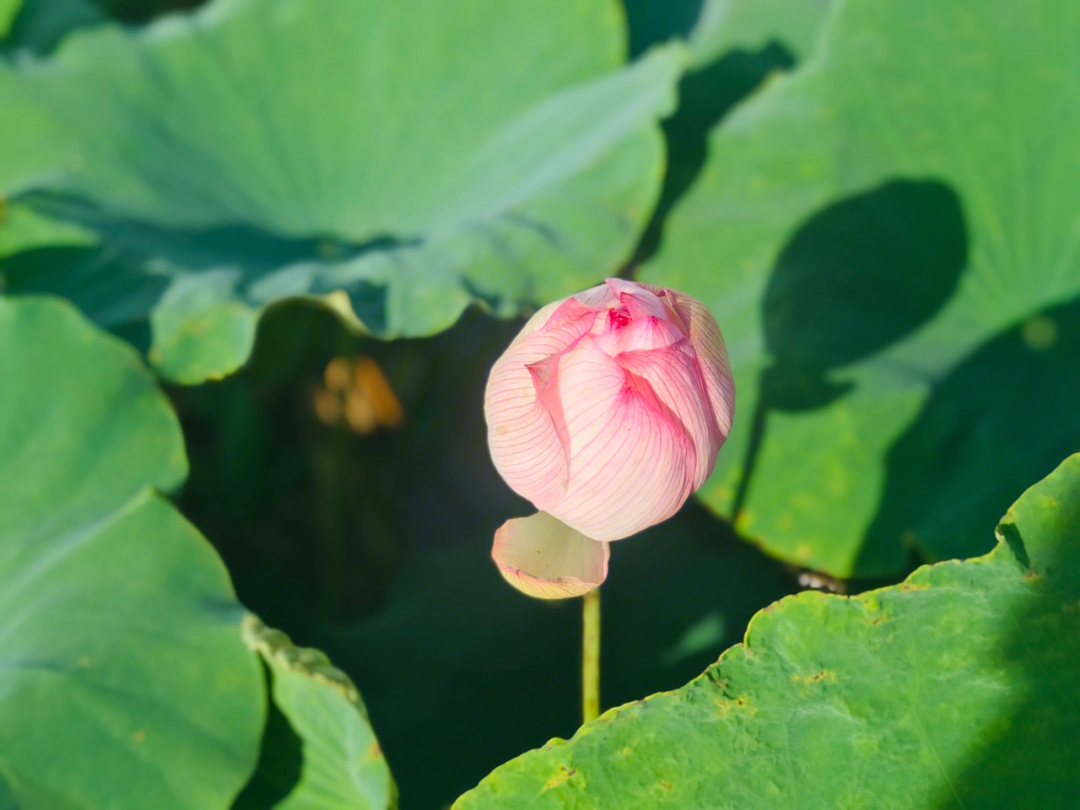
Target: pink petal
{"x": 672, "y": 375}
{"x": 544, "y": 315}
{"x": 600, "y": 297}
{"x": 630, "y": 463}
{"x": 639, "y": 335}
{"x": 665, "y": 298}
{"x": 639, "y": 301}
{"x": 537, "y": 321}
{"x": 527, "y": 446}
{"x": 545, "y": 558}
{"x": 554, "y": 317}
{"x": 708, "y": 343}
{"x": 545, "y": 376}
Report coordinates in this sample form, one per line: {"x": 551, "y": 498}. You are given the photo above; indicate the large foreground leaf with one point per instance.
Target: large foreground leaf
{"x": 888, "y": 239}
{"x": 418, "y": 155}
{"x": 123, "y": 679}
{"x": 957, "y": 688}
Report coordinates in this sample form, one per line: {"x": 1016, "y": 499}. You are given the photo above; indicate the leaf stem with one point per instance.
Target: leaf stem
{"x": 590, "y": 655}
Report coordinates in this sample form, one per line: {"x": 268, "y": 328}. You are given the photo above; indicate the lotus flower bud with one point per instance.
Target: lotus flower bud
{"x": 606, "y": 412}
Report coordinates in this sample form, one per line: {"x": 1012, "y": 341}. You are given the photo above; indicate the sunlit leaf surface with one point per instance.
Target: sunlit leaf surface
{"x": 888, "y": 239}
{"x": 419, "y": 156}
{"x": 956, "y": 688}
{"x": 123, "y": 678}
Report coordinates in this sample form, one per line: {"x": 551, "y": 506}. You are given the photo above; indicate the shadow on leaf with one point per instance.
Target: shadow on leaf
{"x": 856, "y": 277}
{"x": 1001, "y": 419}
{"x": 654, "y": 22}
{"x": 1027, "y": 754}
{"x": 281, "y": 760}
{"x": 705, "y": 97}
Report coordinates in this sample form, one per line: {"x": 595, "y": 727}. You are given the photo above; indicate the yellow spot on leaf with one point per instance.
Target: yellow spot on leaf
{"x": 1039, "y": 333}
{"x": 743, "y": 520}
{"x": 558, "y": 778}
{"x": 330, "y": 250}
{"x": 826, "y": 675}
{"x": 739, "y": 704}
{"x": 914, "y": 586}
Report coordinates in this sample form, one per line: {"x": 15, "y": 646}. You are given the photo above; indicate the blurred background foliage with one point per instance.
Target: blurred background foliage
{"x": 898, "y": 296}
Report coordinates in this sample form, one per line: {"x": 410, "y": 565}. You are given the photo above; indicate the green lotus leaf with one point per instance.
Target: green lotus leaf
{"x": 956, "y": 688}
{"x": 39, "y": 25}
{"x": 342, "y": 763}
{"x": 123, "y": 678}
{"x": 888, "y": 239}
{"x": 716, "y": 27}
{"x": 726, "y": 24}
{"x": 417, "y": 157}
{"x": 23, "y": 230}
{"x": 8, "y": 10}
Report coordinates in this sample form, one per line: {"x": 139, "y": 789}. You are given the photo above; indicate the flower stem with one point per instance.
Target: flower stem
{"x": 590, "y": 658}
